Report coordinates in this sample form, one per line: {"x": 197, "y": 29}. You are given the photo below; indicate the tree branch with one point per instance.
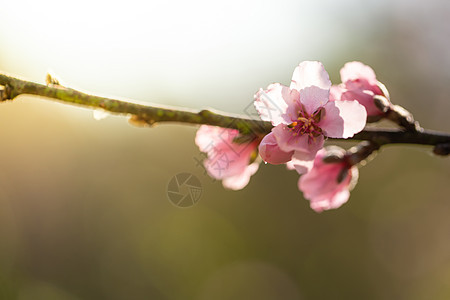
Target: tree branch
{"x": 11, "y": 87}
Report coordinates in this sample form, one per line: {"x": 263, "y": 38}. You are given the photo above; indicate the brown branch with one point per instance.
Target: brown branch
{"x": 11, "y": 87}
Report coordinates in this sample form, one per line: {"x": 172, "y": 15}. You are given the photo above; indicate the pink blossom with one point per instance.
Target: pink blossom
{"x": 239, "y": 181}
{"x": 303, "y": 115}
{"x": 227, "y": 161}
{"x": 271, "y": 153}
{"x": 358, "y": 83}
{"x": 328, "y": 185}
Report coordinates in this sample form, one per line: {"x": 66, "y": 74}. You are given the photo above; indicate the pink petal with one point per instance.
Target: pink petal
{"x": 336, "y": 92}
{"x": 320, "y": 185}
{"x": 272, "y": 103}
{"x": 240, "y": 180}
{"x": 365, "y": 98}
{"x": 290, "y": 165}
{"x": 313, "y": 98}
{"x": 226, "y": 164}
{"x": 320, "y": 180}
{"x": 225, "y": 158}
{"x": 302, "y": 162}
{"x": 293, "y": 109}
{"x": 358, "y": 71}
{"x": 343, "y": 119}
{"x": 288, "y": 142}
{"x": 225, "y": 161}
{"x": 310, "y": 73}
{"x": 334, "y": 202}
{"x": 208, "y": 136}
{"x": 271, "y": 153}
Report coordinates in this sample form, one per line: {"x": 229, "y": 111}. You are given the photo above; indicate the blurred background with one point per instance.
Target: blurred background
{"x": 84, "y": 212}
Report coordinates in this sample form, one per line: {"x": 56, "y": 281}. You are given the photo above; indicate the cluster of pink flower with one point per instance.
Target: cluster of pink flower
{"x": 303, "y": 115}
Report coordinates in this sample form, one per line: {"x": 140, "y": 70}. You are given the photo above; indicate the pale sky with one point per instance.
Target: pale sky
{"x": 197, "y": 53}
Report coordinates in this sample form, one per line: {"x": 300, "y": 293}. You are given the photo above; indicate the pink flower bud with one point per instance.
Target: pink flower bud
{"x": 359, "y": 83}
{"x": 327, "y": 185}
{"x": 271, "y": 153}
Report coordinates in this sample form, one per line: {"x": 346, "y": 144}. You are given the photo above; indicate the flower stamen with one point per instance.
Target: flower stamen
{"x": 305, "y": 124}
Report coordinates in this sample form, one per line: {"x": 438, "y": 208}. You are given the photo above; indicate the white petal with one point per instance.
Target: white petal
{"x": 100, "y": 114}
{"x": 272, "y": 103}
{"x": 310, "y": 73}
{"x": 239, "y": 181}
{"x": 343, "y": 119}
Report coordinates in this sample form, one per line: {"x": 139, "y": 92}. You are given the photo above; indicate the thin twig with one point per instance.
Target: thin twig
{"x": 11, "y": 87}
